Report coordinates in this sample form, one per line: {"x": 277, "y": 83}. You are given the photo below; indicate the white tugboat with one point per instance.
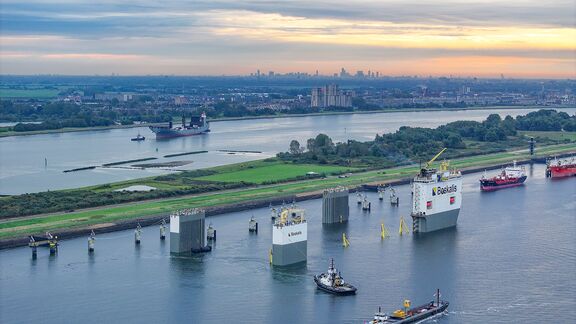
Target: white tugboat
{"x": 333, "y": 282}
{"x": 289, "y": 238}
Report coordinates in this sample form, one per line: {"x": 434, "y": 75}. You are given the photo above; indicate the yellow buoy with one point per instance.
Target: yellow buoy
{"x": 403, "y": 229}
{"x": 345, "y": 242}
{"x": 383, "y": 231}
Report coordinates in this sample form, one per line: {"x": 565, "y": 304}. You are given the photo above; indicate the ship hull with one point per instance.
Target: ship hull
{"x": 162, "y": 132}
{"x": 421, "y": 316}
{"x": 435, "y": 222}
{"x": 489, "y": 185}
{"x": 287, "y": 254}
{"x": 348, "y": 290}
{"x": 556, "y": 172}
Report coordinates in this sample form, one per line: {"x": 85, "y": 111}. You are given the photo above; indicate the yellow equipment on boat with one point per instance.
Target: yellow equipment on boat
{"x": 429, "y": 163}
{"x": 399, "y": 313}
{"x": 407, "y": 303}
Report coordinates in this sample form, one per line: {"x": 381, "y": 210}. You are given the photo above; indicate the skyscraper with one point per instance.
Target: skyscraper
{"x": 331, "y": 96}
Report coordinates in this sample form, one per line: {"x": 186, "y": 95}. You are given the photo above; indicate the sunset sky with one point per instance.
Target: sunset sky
{"x": 484, "y": 38}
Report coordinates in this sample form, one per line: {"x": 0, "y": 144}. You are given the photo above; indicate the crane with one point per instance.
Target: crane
{"x": 429, "y": 163}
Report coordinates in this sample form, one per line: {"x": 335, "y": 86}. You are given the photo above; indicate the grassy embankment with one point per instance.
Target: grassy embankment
{"x": 59, "y": 221}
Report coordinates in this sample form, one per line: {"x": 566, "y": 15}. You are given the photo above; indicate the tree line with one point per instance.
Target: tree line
{"x": 411, "y": 144}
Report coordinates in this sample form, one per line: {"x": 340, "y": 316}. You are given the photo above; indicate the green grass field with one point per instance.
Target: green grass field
{"x": 274, "y": 172}
{"x": 556, "y": 136}
{"x": 28, "y": 93}
{"x": 58, "y": 221}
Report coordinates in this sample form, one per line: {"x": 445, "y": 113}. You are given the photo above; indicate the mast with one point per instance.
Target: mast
{"x": 437, "y": 297}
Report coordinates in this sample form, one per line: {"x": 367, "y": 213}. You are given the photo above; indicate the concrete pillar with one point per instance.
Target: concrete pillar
{"x": 335, "y": 207}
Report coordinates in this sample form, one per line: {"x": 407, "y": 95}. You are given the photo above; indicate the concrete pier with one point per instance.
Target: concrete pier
{"x": 187, "y": 231}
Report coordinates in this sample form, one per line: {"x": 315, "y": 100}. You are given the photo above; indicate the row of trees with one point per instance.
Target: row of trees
{"x": 59, "y": 115}
{"x": 410, "y": 144}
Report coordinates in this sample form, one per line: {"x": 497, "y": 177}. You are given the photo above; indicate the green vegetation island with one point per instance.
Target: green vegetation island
{"x": 300, "y": 173}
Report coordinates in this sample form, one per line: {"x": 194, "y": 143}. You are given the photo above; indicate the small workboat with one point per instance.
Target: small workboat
{"x": 138, "y": 138}
{"x": 333, "y": 282}
{"x": 412, "y": 315}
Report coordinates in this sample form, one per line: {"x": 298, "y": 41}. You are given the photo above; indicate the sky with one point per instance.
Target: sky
{"x": 482, "y": 38}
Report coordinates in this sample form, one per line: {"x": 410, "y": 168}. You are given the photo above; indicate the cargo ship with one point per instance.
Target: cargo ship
{"x": 413, "y": 315}
{"x": 437, "y": 197}
{"x": 289, "y": 238}
{"x": 561, "y": 168}
{"x": 197, "y": 126}
{"x": 511, "y": 176}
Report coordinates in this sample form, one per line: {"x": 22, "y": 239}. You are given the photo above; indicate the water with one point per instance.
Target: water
{"x": 22, "y": 158}
{"x": 511, "y": 258}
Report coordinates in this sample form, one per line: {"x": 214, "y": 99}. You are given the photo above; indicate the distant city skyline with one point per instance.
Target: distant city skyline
{"x": 467, "y": 38}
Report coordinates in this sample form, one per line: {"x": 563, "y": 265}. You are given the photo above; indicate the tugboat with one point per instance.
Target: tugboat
{"x": 333, "y": 282}
{"x": 138, "y": 138}
{"x": 412, "y": 315}
{"x": 511, "y": 176}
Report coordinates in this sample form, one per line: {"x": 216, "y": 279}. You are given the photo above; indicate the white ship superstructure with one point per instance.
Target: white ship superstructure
{"x": 290, "y": 237}
{"x": 437, "y": 198}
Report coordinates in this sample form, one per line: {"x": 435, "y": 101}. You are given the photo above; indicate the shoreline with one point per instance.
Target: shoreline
{"x": 223, "y": 119}
{"x": 154, "y": 219}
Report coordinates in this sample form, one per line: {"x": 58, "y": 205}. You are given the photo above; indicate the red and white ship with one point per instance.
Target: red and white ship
{"x": 511, "y": 176}
{"x": 561, "y": 168}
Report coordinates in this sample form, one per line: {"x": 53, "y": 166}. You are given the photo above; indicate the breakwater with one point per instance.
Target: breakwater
{"x": 80, "y": 169}
{"x": 128, "y": 161}
{"x": 185, "y": 153}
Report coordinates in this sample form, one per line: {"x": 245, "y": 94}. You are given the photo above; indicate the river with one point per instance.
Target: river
{"x": 511, "y": 259}
{"x": 35, "y": 163}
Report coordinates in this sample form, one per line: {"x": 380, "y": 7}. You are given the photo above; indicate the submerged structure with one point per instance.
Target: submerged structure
{"x": 187, "y": 232}
{"x": 290, "y": 238}
{"x": 437, "y": 197}
{"x": 335, "y": 208}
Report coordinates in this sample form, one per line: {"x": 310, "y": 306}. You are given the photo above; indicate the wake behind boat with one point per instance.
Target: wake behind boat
{"x": 412, "y": 315}
{"x": 333, "y": 282}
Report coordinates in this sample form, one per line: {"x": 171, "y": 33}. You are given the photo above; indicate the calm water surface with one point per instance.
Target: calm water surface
{"x": 22, "y": 158}
{"x": 511, "y": 258}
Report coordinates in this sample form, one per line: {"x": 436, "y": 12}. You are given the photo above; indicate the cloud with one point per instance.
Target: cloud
{"x": 225, "y": 36}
